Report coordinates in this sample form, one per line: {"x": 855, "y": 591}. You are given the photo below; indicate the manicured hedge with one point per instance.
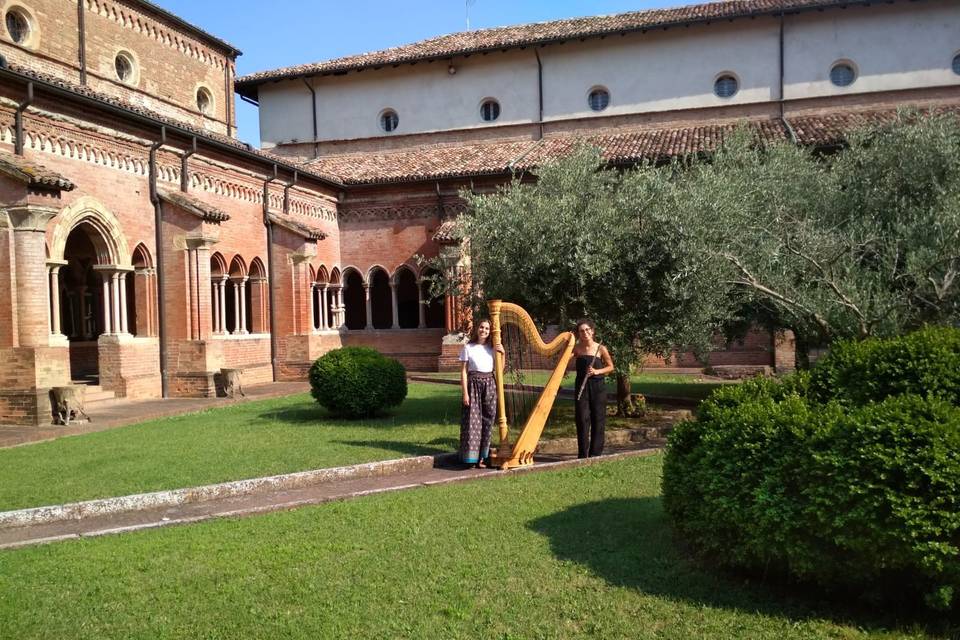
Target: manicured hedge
{"x": 860, "y": 498}
{"x": 926, "y": 363}
{"x": 357, "y": 382}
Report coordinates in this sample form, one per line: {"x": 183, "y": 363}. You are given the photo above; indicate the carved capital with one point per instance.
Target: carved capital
{"x": 29, "y": 217}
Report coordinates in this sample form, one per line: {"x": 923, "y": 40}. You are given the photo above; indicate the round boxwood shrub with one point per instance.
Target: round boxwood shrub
{"x": 863, "y": 499}
{"x": 357, "y": 382}
{"x": 925, "y": 363}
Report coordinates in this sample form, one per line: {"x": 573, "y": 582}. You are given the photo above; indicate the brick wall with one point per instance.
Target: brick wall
{"x": 416, "y": 349}
{"x": 170, "y": 63}
{"x": 130, "y": 366}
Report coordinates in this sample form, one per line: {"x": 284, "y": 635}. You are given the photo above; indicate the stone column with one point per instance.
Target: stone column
{"x": 342, "y": 309}
{"x": 324, "y": 320}
{"x": 222, "y": 286}
{"x": 313, "y": 301}
{"x": 421, "y": 306}
{"x": 124, "y": 327}
{"x": 55, "y": 312}
{"x": 236, "y": 306}
{"x": 215, "y": 288}
{"x": 115, "y": 284}
{"x": 107, "y": 327}
{"x": 29, "y": 224}
{"x": 366, "y": 297}
{"x": 243, "y": 305}
{"x": 393, "y": 301}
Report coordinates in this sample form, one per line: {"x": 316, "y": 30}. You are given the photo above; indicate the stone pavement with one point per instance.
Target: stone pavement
{"x": 117, "y": 413}
{"x": 336, "y": 486}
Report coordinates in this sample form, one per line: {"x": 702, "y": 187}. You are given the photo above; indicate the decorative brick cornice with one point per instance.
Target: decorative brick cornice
{"x": 392, "y": 212}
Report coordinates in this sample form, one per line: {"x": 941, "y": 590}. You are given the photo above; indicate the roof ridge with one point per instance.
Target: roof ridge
{"x": 476, "y": 40}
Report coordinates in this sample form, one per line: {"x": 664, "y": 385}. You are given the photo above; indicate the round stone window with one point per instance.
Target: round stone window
{"x": 389, "y": 120}
{"x": 204, "y": 100}
{"x": 956, "y": 64}
{"x": 125, "y": 68}
{"x": 599, "y": 99}
{"x": 18, "y": 26}
{"x": 489, "y": 110}
{"x": 842, "y": 74}
{"x": 726, "y": 86}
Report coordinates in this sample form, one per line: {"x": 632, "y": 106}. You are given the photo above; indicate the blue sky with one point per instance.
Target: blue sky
{"x": 280, "y": 33}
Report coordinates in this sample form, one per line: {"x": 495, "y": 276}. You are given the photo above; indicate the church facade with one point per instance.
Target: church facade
{"x": 144, "y": 249}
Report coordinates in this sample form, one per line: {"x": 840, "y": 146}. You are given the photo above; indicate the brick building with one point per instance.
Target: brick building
{"x": 143, "y": 248}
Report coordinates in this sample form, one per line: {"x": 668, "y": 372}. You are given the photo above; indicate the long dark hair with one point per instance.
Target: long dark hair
{"x": 474, "y": 332}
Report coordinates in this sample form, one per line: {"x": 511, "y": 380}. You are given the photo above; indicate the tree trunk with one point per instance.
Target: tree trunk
{"x": 624, "y": 404}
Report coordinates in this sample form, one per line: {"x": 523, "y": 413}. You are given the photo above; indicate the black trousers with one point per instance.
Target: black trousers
{"x": 591, "y": 418}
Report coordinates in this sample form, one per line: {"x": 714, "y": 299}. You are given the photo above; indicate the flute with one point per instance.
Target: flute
{"x": 583, "y": 385}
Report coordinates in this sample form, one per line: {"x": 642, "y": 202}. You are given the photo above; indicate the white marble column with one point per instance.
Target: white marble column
{"x": 122, "y": 282}
{"x": 243, "y": 306}
{"x": 215, "y": 286}
{"x": 341, "y": 309}
{"x": 313, "y": 303}
{"x": 324, "y": 321}
{"x": 236, "y": 306}
{"x": 55, "y": 300}
{"x": 107, "y": 327}
{"x": 222, "y": 285}
{"x": 83, "y": 331}
{"x": 115, "y": 278}
{"x": 421, "y": 306}
{"x": 366, "y": 297}
{"x": 393, "y": 302}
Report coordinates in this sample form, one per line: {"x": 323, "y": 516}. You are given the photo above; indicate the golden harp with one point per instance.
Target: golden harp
{"x": 504, "y": 315}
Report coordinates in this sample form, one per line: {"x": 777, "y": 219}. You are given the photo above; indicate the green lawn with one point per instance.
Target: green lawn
{"x": 578, "y": 553}
{"x": 652, "y": 384}
{"x": 241, "y": 441}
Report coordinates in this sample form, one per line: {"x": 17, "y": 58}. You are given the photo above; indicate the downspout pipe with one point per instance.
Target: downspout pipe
{"x": 271, "y": 280}
{"x": 82, "y": 40}
{"x": 158, "y": 239}
{"x": 184, "y": 165}
{"x": 313, "y": 102}
{"x": 286, "y": 192}
{"x": 18, "y": 120}
{"x": 539, "y": 92}
{"x": 783, "y": 119}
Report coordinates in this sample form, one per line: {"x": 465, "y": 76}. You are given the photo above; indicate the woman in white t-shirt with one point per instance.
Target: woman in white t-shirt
{"x": 479, "y": 395}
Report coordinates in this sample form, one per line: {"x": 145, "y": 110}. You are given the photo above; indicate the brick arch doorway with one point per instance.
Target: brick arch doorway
{"x": 93, "y": 292}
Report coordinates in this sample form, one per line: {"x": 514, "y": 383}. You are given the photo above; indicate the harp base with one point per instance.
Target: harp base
{"x": 511, "y": 460}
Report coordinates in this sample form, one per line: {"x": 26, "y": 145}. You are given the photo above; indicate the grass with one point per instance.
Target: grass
{"x": 664, "y": 385}
{"x": 578, "y": 553}
{"x": 242, "y": 441}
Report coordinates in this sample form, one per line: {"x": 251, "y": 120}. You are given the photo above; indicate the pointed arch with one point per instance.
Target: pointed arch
{"x": 407, "y": 297}
{"x": 381, "y": 298}
{"x": 257, "y": 298}
{"x": 238, "y": 268}
{"x": 109, "y": 240}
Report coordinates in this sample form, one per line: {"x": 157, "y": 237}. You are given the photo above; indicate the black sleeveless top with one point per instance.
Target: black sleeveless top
{"x": 583, "y": 363}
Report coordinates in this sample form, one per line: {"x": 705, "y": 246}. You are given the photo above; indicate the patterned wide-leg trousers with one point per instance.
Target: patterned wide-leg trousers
{"x": 476, "y": 421}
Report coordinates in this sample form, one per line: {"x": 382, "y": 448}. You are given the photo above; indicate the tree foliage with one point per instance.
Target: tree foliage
{"x": 861, "y": 243}
{"x": 583, "y": 241}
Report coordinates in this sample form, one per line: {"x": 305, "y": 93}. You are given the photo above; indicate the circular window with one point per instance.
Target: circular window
{"x": 599, "y": 99}
{"x": 726, "y": 86}
{"x": 489, "y": 110}
{"x": 389, "y": 120}
{"x": 204, "y": 100}
{"x": 124, "y": 66}
{"x": 18, "y": 26}
{"x": 956, "y": 64}
{"x": 842, "y": 74}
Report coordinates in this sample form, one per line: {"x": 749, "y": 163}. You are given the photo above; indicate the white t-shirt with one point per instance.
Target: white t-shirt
{"x": 479, "y": 357}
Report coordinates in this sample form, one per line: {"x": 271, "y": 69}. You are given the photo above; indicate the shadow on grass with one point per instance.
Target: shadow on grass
{"x": 628, "y": 543}
{"x": 412, "y": 411}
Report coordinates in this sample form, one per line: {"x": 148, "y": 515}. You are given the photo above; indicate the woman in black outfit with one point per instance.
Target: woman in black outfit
{"x": 591, "y": 403}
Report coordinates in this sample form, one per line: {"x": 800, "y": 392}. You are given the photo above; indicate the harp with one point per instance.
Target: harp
{"x": 510, "y": 318}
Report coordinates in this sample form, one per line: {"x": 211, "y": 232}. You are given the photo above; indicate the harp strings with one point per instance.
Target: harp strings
{"x": 525, "y": 374}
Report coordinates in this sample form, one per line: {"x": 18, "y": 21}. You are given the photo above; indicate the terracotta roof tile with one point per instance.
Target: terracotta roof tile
{"x": 833, "y": 128}
{"x": 447, "y": 233}
{"x": 496, "y": 158}
{"x": 193, "y": 205}
{"x": 302, "y": 229}
{"x": 31, "y": 173}
{"x": 514, "y": 36}
{"x": 114, "y": 101}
